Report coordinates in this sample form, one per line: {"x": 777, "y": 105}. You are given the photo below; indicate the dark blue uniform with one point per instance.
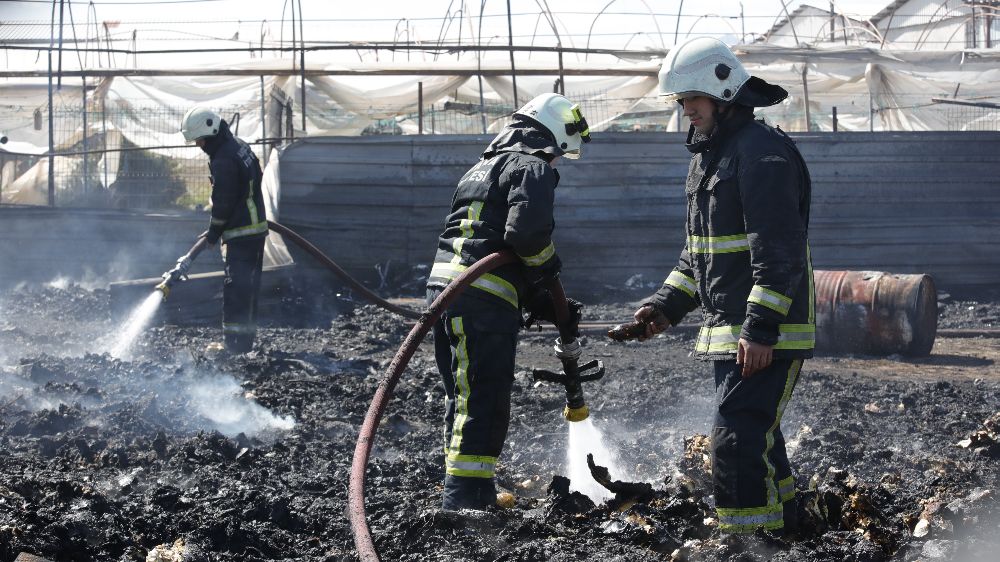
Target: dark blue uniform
{"x": 504, "y": 202}
{"x": 746, "y": 264}
{"x": 239, "y": 220}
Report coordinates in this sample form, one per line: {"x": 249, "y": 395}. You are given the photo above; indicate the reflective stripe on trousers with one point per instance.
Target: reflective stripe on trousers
{"x": 476, "y": 362}
{"x": 750, "y": 470}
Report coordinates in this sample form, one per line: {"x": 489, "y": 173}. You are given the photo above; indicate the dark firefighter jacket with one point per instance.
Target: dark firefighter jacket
{"x": 746, "y": 261}
{"x": 237, "y": 199}
{"x": 503, "y": 202}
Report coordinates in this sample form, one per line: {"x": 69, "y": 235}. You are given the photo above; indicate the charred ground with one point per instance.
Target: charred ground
{"x": 105, "y": 459}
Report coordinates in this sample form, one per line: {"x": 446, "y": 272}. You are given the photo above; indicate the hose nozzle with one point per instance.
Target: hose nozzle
{"x": 178, "y": 273}
{"x": 164, "y": 288}
{"x": 572, "y": 378}
{"x": 576, "y": 414}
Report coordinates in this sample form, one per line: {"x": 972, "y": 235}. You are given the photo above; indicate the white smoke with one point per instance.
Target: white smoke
{"x": 225, "y": 407}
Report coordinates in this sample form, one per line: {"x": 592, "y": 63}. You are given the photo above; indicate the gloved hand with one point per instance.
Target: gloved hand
{"x": 653, "y": 320}
{"x": 183, "y": 265}
{"x": 540, "y": 306}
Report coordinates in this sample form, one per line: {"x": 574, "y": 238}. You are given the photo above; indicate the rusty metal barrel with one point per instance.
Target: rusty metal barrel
{"x": 876, "y": 313}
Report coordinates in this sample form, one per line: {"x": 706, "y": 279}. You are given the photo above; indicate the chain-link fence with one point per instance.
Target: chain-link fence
{"x": 132, "y": 157}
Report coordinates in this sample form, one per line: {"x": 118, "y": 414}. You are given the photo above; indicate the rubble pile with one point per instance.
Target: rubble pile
{"x": 178, "y": 454}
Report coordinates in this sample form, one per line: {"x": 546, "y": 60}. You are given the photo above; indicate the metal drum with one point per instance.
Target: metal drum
{"x": 874, "y": 312}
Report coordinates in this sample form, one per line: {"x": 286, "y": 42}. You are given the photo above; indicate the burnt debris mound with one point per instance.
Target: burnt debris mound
{"x": 179, "y": 454}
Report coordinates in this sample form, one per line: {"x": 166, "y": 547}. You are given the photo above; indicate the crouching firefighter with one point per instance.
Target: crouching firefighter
{"x": 238, "y": 219}
{"x": 746, "y": 264}
{"x": 503, "y": 202}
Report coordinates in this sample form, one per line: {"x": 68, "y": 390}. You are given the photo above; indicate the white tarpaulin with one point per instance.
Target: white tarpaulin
{"x": 871, "y": 89}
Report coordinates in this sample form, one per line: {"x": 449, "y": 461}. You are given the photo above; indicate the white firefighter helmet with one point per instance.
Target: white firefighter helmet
{"x": 562, "y": 118}
{"x": 200, "y": 122}
{"x": 701, "y": 67}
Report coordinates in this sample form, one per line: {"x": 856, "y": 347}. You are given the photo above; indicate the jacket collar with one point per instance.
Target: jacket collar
{"x": 524, "y": 135}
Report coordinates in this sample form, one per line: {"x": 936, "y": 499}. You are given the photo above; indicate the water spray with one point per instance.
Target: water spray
{"x": 569, "y": 350}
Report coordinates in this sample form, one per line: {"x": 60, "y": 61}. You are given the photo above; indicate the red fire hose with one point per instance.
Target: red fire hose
{"x": 356, "y": 491}
{"x": 339, "y": 272}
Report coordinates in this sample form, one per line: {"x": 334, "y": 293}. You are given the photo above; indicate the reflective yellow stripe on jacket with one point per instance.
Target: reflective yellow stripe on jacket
{"x": 490, "y": 283}
{"x": 680, "y": 281}
{"x": 256, "y": 225}
{"x": 724, "y": 339}
{"x": 540, "y": 257}
{"x": 718, "y": 244}
{"x": 771, "y": 299}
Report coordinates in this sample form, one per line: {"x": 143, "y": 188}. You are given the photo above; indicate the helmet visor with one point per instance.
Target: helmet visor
{"x": 679, "y": 96}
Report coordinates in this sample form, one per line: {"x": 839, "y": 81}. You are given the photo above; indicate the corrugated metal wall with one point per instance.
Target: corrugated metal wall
{"x": 900, "y": 202}
{"x": 93, "y": 246}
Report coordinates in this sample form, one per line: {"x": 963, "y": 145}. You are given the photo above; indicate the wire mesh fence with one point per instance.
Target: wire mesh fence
{"x": 131, "y": 156}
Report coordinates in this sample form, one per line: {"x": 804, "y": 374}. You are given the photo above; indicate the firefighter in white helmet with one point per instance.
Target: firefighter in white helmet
{"x": 238, "y": 220}
{"x": 504, "y": 202}
{"x": 746, "y": 264}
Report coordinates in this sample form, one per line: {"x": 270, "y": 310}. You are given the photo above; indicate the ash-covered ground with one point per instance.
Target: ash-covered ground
{"x": 248, "y": 458}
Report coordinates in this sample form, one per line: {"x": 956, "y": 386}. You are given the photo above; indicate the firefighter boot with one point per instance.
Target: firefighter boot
{"x": 463, "y": 492}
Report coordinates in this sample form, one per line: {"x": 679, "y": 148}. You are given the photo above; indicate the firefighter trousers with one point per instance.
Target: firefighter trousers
{"x": 475, "y": 343}
{"x": 753, "y": 481}
{"x": 244, "y": 262}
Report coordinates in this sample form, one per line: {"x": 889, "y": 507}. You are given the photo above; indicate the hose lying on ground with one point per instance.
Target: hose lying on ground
{"x": 315, "y": 252}
{"x": 356, "y": 491}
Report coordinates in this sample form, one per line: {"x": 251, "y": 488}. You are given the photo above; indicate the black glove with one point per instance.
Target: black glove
{"x": 540, "y": 306}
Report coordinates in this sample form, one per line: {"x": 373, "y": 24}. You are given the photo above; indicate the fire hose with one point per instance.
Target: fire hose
{"x": 179, "y": 272}
{"x": 315, "y": 252}
{"x": 362, "y": 451}
{"x": 366, "y": 438}
{"x": 567, "y": 349}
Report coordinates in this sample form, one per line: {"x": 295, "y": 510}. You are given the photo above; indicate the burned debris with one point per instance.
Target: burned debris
{"x": 129, "y": 459}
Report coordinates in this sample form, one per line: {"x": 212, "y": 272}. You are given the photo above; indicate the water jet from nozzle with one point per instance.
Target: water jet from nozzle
{"x": 135, "y": 324}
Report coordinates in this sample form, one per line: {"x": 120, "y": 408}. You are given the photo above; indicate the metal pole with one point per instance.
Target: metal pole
{"x": 833, "y": 24}
{"x": 104, "y": 128}
{"x": 52, "y": 148}
{"x": 871, "y": 113}
{"x": 805, "y": 95}
{"x": 510, "y": 42}
{"x": 677, "y": 27}
{"x": 302, "y": 62}
{"x": 263, "y": 121}
{"x": 834, "y": 119}
{"x": 562, "y": 79}
{"x": 85, "y": 131}
{"x": 420, "y": 108}
{"x": 743, "y": 25}
{"x": 479, "y": 67}
{"x": 62, "y": 5}
{"x": 433, "y": 126}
